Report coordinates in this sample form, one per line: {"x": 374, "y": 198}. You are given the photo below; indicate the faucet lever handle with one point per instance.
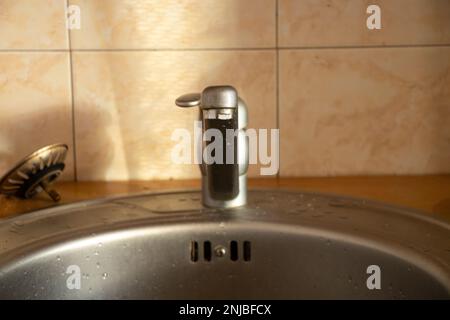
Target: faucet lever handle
{"x": 189, "y": 100}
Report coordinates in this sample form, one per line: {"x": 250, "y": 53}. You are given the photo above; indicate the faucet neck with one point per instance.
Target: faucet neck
{"x": 225, "y": 146}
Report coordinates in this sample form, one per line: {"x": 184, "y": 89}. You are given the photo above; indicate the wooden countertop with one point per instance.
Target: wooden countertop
{"x": 430, "y": 194}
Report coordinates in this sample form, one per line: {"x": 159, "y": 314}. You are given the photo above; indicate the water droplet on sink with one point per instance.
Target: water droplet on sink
{"x": 298, "y": 210}
{"x": 96, "y": 253}
{"x": 104, "y": 276}
{"x": 337, "y": 203}
{"x": 58, "y": 258}
{"x": 97, "y": 265}
{"x": 100, "y": 244}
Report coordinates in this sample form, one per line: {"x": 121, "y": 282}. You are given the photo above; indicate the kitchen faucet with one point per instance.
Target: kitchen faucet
{"x": 224, "y": 152}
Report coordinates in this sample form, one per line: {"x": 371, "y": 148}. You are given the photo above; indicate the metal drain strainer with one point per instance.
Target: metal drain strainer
{"x": 35, "y": 173}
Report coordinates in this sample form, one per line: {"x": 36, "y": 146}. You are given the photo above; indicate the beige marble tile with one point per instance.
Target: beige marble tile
{"x": 343, "y": 22}
{"x": 32, "y": 24}
{"x": 35, "y": 105}
{"x": 125, "y": 111}
{"x": 175, "y": 24}
{"x": 365, "y": 111}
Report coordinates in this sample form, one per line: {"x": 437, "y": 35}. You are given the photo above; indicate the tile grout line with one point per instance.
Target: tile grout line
{"x": 277, "y": 85}
{"x": 74, "y": 152}
{"x": 277, "y": 47}
{"x": 374, "y": 46}
{"x": 140, "y": 49}
{"x": 176, "y": 49}
{"x": 33, "y": 50}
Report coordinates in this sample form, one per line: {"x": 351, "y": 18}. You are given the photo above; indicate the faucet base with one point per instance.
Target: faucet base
{"x": 239, "y": 200}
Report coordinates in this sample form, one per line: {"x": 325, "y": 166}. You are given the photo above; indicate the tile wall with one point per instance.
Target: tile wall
{"x": 347, "y": 100}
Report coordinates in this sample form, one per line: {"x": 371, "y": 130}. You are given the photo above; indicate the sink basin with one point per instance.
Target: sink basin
{"x": 282, "y": 245}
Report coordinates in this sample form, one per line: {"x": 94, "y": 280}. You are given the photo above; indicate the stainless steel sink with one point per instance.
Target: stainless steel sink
{"x": 281, "y": 245}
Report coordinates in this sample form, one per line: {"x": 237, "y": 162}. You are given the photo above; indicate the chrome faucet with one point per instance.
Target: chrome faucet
{"x": 224, "y": 174}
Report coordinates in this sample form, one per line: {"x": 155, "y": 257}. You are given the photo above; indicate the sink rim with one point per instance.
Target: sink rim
{"x": 394, "y": 208}
{"x": 227, "y": 214}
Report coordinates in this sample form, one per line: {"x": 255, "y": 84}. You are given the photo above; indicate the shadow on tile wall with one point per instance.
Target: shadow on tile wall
{"x": 35, "y": 108}
{"x": 42, "y": 127}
